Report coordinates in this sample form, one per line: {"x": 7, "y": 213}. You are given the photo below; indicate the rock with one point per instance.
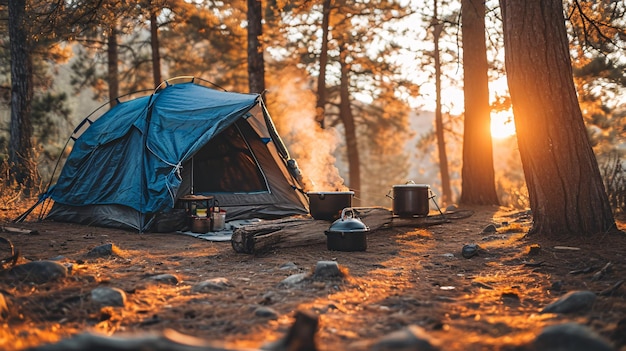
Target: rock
{"x": 211, "y": 284}
{"x": 293, "y": 280}
{"x": 101, "y": 251}
{"x": 266, "y": 312}
{"x": 469, "y": 250}
{"x": 106, "y": 296}
{"x": 490, "y": 229}
{"x": 288, "y": 266}
{"x": 409, "y": 339}
{"x": 569, "y": 337}
{"x": 38, "y": 272}
{"x": 571, "y": 302}
{"x": 165, "y": 278}
{"x": 327, "y": 269}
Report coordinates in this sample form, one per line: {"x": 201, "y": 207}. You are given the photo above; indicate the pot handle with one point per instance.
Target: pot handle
{"x": 390, "y": 190}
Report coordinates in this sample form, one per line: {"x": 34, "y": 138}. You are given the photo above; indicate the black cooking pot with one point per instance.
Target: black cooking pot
{"x": 347, "y": 233}
{"x": 327, "y": 205}
{"x": 411, "y": 200}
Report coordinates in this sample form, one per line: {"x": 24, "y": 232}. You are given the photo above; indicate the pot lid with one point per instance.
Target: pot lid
{"x": 329, "y": 192}
{"x": 412, "y": 186}
{"x": 348, "y": 222}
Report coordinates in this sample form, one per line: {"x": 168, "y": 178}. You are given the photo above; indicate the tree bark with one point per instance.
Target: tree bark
{"x": 23, "y": 169}
{"x": 567, "y": 196}
{"x": 446, "y": 190}
{"x": 478, "y": 180}
{"x": 347, "y": 118}
{"x": 154, "y": 43}
{"x": 113, "y": 70}
{"x": 321, "y": 78}
{"x": 256, "y": 69}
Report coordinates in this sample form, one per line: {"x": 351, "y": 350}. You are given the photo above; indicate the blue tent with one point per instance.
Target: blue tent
{"x": 136, "y": 160}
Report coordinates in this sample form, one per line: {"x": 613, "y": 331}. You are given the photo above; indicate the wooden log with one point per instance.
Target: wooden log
{"x": 298, "y": 231}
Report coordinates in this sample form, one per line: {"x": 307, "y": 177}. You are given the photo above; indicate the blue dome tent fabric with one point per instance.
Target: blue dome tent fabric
{"x": 138, "y": 158}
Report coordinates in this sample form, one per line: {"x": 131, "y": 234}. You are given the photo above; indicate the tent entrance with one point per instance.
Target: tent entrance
{"x": 226, "y": 164}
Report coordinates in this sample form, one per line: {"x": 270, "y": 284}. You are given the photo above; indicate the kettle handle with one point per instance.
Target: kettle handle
{"x": 344, "y": 213}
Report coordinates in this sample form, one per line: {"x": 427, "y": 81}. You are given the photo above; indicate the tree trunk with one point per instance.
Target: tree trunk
{"x": 567, "y": 197}
{"x": 256, "y": 69}
{"x": 23, "y": 169}
{"x": 113, "y": 74}
{"x": 478, "y": 178}
{"x": 321, "y": 79}
{"x": 446, "y": 195}
{"x": 154, "y": 43}
{"x": 345, "y": 113}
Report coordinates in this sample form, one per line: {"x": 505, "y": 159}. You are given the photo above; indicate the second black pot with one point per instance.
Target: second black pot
{"x": 347, "y": 233}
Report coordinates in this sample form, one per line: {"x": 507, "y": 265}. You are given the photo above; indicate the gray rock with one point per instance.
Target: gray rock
{"x": 411, "y": 338}
{"x": 106, "y": 296}
{"x": 571, "y": 302}
{"x": 212, "y": 284}
{"x": 490, "y": 229}
{"x": 569, "y": 337}
{"x": 38, "y": 272}
{"x": 266, "y": 312}
{"x": 293, "y": 280}
{"x": 469, "y": 250}
{"x": 101, "y": 251}
{"x": 288, "y": 266}
{"x": 165, "y": 279}
{"x": 327, "y": 269}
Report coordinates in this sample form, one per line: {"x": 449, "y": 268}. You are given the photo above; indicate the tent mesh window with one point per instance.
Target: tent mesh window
{"x": 226, "y": 163}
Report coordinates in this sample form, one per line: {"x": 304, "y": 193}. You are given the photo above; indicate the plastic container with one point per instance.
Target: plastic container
{"x": 218, "y": 220}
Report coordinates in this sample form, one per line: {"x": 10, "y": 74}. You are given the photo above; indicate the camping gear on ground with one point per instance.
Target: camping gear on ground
{"x": 218, "y": 219}
{"x": 347, "y": 233}
{"x": 133, "y": 162}
{"x": 200, "y": 224}
{"x": 327, "y": 205}
{"x": 411, "y": 199}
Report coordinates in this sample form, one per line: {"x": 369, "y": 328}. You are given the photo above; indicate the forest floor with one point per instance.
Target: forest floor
{"x": 407, "y": 276}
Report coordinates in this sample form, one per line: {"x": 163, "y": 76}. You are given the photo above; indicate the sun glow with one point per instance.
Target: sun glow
{"x": 502, "y": 125}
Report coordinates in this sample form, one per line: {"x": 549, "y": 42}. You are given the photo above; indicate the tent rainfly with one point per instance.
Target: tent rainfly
{"x": 134, "y": 162}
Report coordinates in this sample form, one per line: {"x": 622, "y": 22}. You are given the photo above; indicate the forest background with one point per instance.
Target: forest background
{"x": 391, "y": 74}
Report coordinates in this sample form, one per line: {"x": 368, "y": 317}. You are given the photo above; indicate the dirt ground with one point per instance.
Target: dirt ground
{"x": 407, "y": 276}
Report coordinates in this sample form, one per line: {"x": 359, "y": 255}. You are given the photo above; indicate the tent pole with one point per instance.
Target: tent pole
{"x": 192, "y": 160}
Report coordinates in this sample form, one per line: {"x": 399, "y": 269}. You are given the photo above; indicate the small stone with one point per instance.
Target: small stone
{"x": 212, "y": 284}
{"x": 165, "y": 278}
{"x": 106, "y": 296}
{"x": 101, "y": 251}
{"x": 327, "y": 269}
{"x": 266, "y": 312}
{"x": 288, "y": 266}
{"x": 410, "y": 338}
{"x": 293, "y": 280}
{"x": 469, "y": 250}
{"x": 490, "y": 229}
{"x": 534, "y": 249}
{"x": 571, "y": 302}
{"x": 38, "y": 272}
{"x": 570, "y": 337}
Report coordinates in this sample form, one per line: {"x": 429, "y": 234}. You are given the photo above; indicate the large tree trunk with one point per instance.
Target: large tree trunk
{"x": 446, "y": 191}
{"x": 113, "y": 70}
{"x": 477, "y": 174}
{"x": 321, "y": 79}
{"x": 256, "y": 68}
{"x": 345, "y": 112}
{"x": 23, "y": 169}
{"x": 154, "y": 43}
{"x": 567, "y": 196}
